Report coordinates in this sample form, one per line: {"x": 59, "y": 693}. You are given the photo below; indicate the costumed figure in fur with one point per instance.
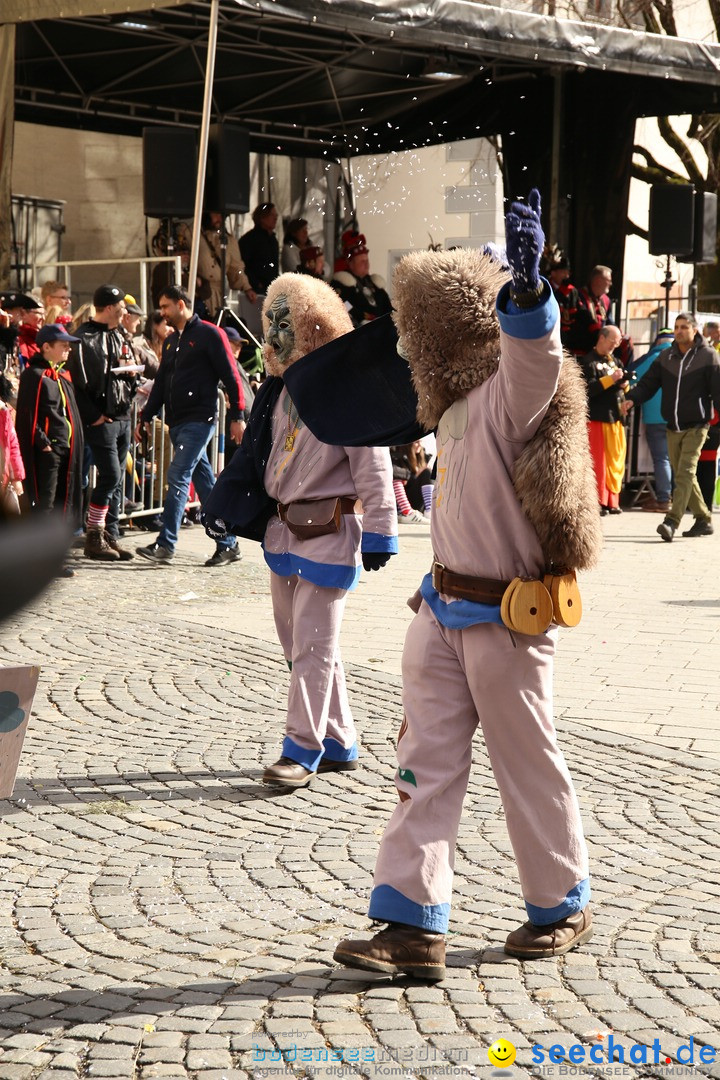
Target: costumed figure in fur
{"x": 514, "y": 499}
{"x": 321, "y": 513}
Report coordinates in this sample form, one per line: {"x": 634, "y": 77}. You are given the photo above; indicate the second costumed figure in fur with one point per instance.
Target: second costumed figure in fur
{"x": 322, "y": 513}
{"x": 514, "y": 501}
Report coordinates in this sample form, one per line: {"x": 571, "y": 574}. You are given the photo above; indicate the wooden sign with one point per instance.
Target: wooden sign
{"x": 17, "y": 690}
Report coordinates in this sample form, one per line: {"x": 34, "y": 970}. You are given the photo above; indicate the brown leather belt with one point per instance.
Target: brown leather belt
{"x": 349, "y": 504}
{"x": 464, "y": 587}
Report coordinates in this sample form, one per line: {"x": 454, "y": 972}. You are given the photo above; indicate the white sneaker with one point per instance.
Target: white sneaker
{"x": 413, "y": 518}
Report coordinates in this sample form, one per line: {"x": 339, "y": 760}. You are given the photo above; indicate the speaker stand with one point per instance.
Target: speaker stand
{"x": 226, "y": 313}
{"x": 171, "y": 248}
{"x": 693, "y": 292}
{"x": 667, "y": 286}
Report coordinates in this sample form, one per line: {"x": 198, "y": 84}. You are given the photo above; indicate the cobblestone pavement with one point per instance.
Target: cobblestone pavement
{"x": 162, "y": 914}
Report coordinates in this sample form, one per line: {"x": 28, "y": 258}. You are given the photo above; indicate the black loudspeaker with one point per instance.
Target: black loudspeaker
{"x": 227, "y": 181}
{"x": 672, "y": 219}
{"x": 169, "y": 172}
{"x": 705, "y": 245}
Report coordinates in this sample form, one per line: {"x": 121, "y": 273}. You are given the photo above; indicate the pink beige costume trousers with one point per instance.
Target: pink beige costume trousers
{"x": 308, "y": 618}
{"x": 455, "y": 680}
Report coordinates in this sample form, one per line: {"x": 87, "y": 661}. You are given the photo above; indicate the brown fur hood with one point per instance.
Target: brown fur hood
{"x": 448, "y": 328}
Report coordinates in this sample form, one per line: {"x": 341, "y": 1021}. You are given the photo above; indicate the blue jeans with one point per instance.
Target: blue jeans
{"x": 190, "y": 462}
{"x": 109, "y": 444}
{"x": 656, "y": 435}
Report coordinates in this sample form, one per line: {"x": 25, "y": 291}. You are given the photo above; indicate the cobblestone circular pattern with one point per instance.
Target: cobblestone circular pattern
{"x": 165, "y": 915}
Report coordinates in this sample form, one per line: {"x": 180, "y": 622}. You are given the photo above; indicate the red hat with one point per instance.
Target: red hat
{"x": 353, "y": 243}
{"x": 309, "y": 254}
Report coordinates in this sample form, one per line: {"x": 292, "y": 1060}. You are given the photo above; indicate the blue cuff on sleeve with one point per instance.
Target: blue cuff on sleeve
{"x": 527, "y": 323}
{"x": 376, "y": 542}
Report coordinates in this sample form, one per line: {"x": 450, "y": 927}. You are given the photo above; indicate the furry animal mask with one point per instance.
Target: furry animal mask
{"x": 445, "y": 317}
{"x": 316, "y": 314}
{"x": 450, "y": 335}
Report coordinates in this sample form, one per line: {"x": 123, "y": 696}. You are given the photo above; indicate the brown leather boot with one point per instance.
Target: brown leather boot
{"x": 123, "y": 553}
{"x": 97, "y": 547}
{"x": 287, "y": 773}
{"x": 327, "y": 765}
{"x": 531, "y": 942}
{"x": 398, "y": 950}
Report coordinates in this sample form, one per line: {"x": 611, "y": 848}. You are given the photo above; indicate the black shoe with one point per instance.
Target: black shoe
{"x": 603, "y": 511}
{"x": 155, "y": 553}
{"x": 614, "y": 510}
{"x": 700, "y": 528}
{"x": 186, "y": 523}
{"x": 666, "y": 529}
{"x": 223, "y": 556}
{"x": 132, "y": 507}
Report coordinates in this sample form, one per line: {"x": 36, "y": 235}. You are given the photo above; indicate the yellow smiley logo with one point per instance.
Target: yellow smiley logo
{"x": 501, "y": 1053}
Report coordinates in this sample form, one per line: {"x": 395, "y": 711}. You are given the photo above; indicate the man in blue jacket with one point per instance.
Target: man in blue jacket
{"x": 195, "y": 359}
{"x": 656, "y": 429}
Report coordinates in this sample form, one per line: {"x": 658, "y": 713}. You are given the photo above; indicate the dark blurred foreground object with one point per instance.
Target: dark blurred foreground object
{"x": 32, "y": 553}
{"x": 357, "y": 390}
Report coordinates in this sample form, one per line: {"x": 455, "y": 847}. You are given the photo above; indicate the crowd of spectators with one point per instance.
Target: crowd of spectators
{"x": 677, "y": 384}
{"x": 86, "y": 372}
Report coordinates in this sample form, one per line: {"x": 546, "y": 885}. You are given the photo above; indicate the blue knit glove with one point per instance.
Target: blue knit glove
{"x": 373, "y": 560}
{"x": 525, "y": 241}
{"x": 214, "y": 527}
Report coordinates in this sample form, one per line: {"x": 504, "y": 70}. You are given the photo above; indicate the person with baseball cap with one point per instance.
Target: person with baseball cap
{"x": 50, "y": 429}
{"x": 132, "y": 317}
{"x": 14, "y": 308}
{"x": 104, "y": 396}
{"x": 237, "y": 344}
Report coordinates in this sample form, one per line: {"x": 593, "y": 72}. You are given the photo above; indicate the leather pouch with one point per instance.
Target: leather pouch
{"x": 566, "y": 601}
{"x": 315, "y": 517}
{"x": 526, "y": 606}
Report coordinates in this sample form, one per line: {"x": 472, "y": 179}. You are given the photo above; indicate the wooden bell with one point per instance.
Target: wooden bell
{"x": 566, "y": 600}
{"x": 526, "y": 606}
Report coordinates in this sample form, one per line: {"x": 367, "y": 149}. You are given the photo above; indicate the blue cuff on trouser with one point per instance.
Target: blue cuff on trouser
{"x": 335, "y": 752}
{"x": 389, "y": 905}
{"x": 576, "y": 900}
{"x": 309, "y": 759}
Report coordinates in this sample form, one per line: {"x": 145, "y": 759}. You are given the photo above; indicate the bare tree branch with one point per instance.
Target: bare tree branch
{"x": 653, "y": 171}
{"x": 646, "y": 9}
{"x": 632, "y": 229}
{"x": 649, "y": 176}
{"x": 714, "y": 6}
{"x": 681, "y": 148}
